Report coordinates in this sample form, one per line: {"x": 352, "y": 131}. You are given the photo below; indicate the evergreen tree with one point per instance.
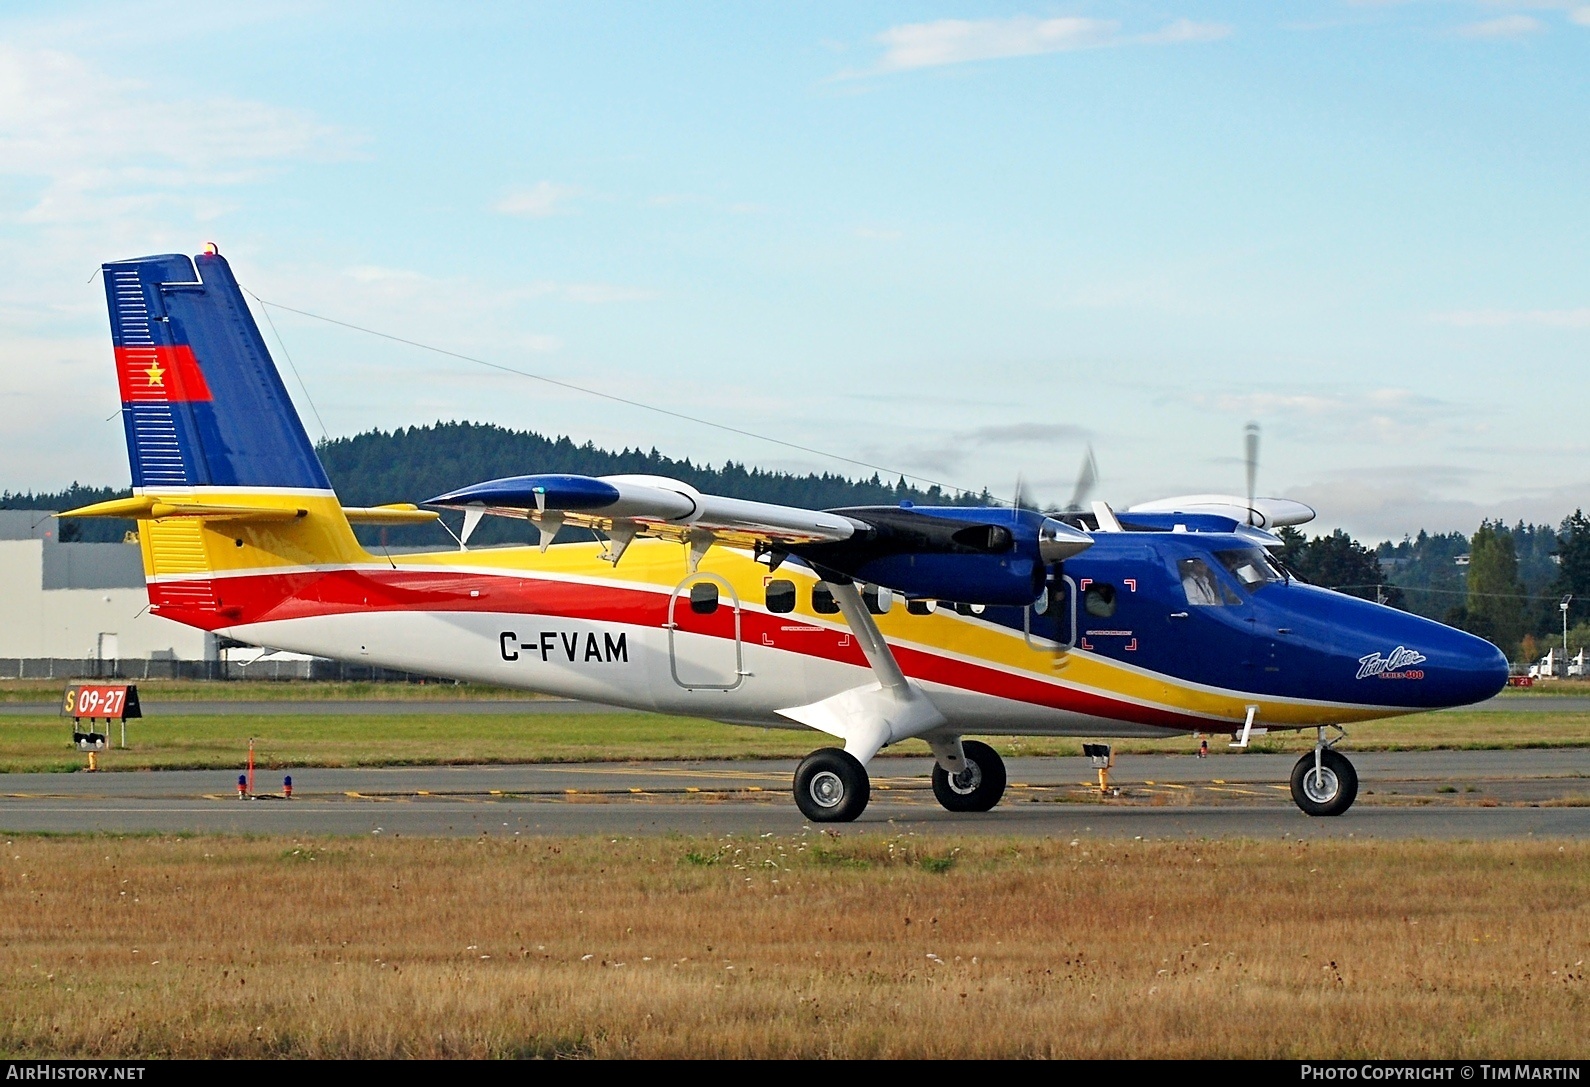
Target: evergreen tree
{"x": 1426, "y": 569}
{"x": 1338, "y": 562}
{"x": 1573, "y": 572}
{"x": 1495, "y": 609}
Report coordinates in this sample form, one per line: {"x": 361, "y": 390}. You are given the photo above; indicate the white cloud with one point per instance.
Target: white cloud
{"x": 105, "y": 148}
{"x": 878, "y": 234}
{"x": 1022, "y": 434}
{"x": 1375, "y": 509}
{"x": 1508, "y": 26}
{"x": 912, "y": 46}
{"x": 540, "y": 201}
{"x": 379, "y": 284}
{"x": 598, "y": 293}
{"x": 1500, "y": 318}
{"x": 1185, "y": 30}
{"x": 1580, "y": 16}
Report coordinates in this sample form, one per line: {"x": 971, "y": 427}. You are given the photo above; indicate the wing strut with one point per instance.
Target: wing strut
{"x": 871, "y": 716}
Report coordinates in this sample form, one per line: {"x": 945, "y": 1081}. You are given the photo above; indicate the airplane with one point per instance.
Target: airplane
{"x": 872, "y": 625}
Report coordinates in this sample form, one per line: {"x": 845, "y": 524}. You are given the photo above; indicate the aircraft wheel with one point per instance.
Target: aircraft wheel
{"x": 1329, "y": 792}
{"x": 831, "y": 786}
{"x": 977, "y": 788}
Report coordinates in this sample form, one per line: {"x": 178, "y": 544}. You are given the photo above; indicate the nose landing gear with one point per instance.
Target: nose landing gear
{"x": 1323, "y": 781}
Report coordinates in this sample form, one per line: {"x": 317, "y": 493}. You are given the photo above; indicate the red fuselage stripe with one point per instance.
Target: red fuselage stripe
{"x": 261, "y": 598}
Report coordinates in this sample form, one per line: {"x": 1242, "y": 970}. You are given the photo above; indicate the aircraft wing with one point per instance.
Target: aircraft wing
{"x": 625, "y": 506}
{"x": 976, "y": 555}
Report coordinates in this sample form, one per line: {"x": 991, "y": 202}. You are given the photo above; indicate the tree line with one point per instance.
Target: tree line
{"x": 1503, "y": 583}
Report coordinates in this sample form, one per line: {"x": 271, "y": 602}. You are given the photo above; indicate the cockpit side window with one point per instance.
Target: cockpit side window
{"x": 1251, "y": 566}
{"x": 1202, "y": 587}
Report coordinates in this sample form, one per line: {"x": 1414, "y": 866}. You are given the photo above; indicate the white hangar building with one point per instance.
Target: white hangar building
{"x": 75, "y": 608}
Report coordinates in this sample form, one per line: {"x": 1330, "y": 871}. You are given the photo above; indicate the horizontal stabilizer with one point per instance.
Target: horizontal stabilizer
{"x": 397, "y": 513}
{"x": 150, "y": 508}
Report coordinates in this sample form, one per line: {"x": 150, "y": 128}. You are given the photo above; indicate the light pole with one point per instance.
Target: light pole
{"x": 1566, "y": 600}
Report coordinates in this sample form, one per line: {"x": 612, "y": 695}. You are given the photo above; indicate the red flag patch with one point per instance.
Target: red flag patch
{"x": 171, "y": 374}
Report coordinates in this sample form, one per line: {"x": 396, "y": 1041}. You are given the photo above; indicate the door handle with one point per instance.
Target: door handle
{"x": 1178, "y": 615}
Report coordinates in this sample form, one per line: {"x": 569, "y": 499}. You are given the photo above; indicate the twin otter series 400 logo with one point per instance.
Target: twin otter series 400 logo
{"x": 1398, "y": 664}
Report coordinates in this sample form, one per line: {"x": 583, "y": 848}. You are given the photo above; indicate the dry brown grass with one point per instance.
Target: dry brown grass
{"x": 856, "y": 946}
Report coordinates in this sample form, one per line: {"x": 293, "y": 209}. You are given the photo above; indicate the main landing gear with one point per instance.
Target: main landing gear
{"x": 1323, "y": 781}
{"x": 976, "y": 788}
{"x": 831, "y": 785}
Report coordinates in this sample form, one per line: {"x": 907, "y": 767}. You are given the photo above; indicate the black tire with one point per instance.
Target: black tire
{"x": 977, "y": 788}
{"x": 1335, "y": 789}
{"x": 831, "y": 786}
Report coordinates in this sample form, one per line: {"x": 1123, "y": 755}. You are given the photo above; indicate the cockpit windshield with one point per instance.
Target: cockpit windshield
{"x": 1251, "y": 566}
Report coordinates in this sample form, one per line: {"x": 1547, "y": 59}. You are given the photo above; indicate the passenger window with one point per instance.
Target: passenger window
{"x": 877, "y": 599}
{"x": 780, "y": 596}
{"x": 1203, "y": 589}
{"x": 963, "y": 609}
{"x": 921, "y": 607}
{"x": 1099, "y": 600}
{"x": 823, "y": 602}
{"x": 1041, "y": 605}
{"x": 703, "y": 598}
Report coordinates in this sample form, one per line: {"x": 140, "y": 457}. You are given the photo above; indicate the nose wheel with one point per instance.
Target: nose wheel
{"x": 1324, "y": 783}
{"x": 831, "y": 786}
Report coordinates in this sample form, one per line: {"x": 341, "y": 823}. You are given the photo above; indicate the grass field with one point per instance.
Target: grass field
{"x": 41, "y": 742}
{"x": 823, "y": 945}
{"x": 246, "y": 690}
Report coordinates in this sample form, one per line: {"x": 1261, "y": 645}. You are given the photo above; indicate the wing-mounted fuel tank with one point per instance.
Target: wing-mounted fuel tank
{"x": 970, "y": 555}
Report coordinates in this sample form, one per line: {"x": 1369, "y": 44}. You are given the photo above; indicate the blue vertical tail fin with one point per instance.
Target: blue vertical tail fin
{"x": 202, "y": 402}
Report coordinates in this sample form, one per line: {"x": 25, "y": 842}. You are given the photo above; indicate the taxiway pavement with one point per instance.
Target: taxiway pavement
{"x": 1427, "y": 794}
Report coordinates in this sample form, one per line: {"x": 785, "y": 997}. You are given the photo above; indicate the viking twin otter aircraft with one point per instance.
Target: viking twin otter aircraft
{"x": 872, "y": 624}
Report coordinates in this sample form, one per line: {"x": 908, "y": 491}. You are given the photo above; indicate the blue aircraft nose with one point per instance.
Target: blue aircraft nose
{"x": 1354, "y": 651}
{"x": 1482, "y": 674}
{"x": 1460, "y": 669}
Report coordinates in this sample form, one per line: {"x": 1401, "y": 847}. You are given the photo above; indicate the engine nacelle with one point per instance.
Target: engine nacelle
{"x": 968, "y": 555}
{"x": 1009, "y": 579}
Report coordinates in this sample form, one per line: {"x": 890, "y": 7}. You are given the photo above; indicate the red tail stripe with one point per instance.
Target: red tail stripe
{"x": 169, "y": 374}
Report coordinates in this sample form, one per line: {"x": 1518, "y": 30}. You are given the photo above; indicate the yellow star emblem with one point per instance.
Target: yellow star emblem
{"x": 155, "y": 374}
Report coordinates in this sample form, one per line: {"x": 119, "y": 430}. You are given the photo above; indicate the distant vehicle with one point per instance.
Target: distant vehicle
{"x": 871, "y": 624}
{"x": 1554, "y": 665}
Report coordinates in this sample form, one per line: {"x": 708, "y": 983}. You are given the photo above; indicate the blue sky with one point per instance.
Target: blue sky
{"x": 958, "y": 240}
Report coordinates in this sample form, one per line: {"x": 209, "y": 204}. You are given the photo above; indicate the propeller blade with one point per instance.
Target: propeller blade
{"x": 1023, "y": 498}
{"x": 1087, "y": 476}
{"x": 1250, "y": 440}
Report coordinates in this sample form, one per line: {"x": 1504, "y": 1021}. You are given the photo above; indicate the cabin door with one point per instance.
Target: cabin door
{"x": 704, "y": 648}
